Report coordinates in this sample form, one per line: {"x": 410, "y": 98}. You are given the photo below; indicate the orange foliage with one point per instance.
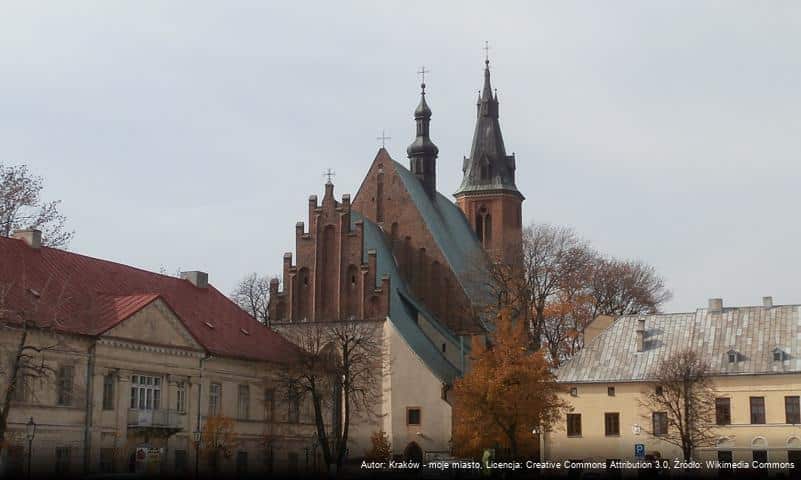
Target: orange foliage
{"x": 218, "y": 437}
{"x": 508, "y": 392}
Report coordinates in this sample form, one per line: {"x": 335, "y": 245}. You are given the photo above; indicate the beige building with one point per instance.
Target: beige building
{"x": 138, "y": 364}
{"x": 755, "y": 357}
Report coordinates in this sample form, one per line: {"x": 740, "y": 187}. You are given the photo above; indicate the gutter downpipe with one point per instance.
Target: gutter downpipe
{"x": 87, "y": 428}
{"x": 197, "y": 425}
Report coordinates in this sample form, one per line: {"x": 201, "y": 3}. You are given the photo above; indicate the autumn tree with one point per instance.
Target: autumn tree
{"x": 682, "y": 403}
{"x": 21, "y": 207}
{"x": 380, "y": 447}
{"x": 252, "y": 294}
{"x": 560, "y": 284}
{"x": 340, "y": 372}
{"x": 218, "y": 439}
{"x": 508, "y": 392}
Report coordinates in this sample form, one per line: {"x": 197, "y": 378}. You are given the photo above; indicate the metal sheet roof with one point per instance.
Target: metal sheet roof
{"x": 453, "y": 234}
{"x": 752, "y": 332}
{"x": 403, "y": 313}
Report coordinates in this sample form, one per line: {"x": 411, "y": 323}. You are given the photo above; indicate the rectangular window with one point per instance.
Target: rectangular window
{"x": 758, "y": 410}
{"x": 612, "y": 424}
{"x": 108, "y": 392}
{"x": 573, "y": 424}
{"x": 413, "y": 416}
{"x": 723, "y": 411}
{"x": 610, "y": 391}
{"x": 145, "y": 392}
{"x": 20, "y": 393}
{"x": 792, "y": 412}
{"x": 760, "y": 456}
{"x": 725, "y": 459}
{"x": 180, "y": 461}
{"x": 64, "y": 380}
{"x": 293, "y": 405}
{"x": 794, "y": 457}
{"x": 180, "y": 397}
{"x": 660, "y": 423}
{"x": 269, "y": 405}
{"x": 241, "y": 462}
{"x": 107, "y": 460}
{"x": 215, "y": 392}
{"x": 62, "y": 460}
{"x": 244, "y": 402}
{"x": 292, "y": 463}
{"x": 15, "y": 463}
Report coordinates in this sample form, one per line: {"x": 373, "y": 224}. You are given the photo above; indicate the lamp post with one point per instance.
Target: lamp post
{"x": 196, "y": 438}
{"x": 30, "y": 432}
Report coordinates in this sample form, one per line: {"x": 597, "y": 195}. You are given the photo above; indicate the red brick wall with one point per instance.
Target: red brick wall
{"x": 383, "y": 199}
{"x": 329, "y": 280}
{"x": 504, "y": 212}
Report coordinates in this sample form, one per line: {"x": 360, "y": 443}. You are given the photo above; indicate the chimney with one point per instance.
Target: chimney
{"x": 640, "y": 334}
{"x": 715, "y": 305}
{"x": 767, "y": 302}
{"x": 31, "y": 236}
{"x": 196, "y": 278}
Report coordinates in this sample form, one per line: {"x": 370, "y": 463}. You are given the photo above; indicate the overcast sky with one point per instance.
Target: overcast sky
{"x": 190, "y": 134}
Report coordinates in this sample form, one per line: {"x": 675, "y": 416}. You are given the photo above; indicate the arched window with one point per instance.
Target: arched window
{"x": 480, "y": 227}
{"x": 488, "y": 228}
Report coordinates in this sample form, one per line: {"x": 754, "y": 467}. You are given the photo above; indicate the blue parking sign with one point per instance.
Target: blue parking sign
{"x": 639, "y": 450}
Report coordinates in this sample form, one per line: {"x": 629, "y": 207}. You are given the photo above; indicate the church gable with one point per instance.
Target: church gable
{"x": 385, "y": 199}
{"x": 155, "y": 323}
{"x": 334, "y": 278}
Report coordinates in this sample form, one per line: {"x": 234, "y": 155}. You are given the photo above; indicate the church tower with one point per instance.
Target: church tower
{"x": 488, "y": 196}
{"x": 422, "y": 152}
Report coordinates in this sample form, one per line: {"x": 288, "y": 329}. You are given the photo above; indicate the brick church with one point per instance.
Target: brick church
{"x": 413, "y": 261}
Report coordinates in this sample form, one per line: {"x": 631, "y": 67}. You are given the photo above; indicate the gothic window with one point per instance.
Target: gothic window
{"x": 379, "y": 204}
{"x": 488, "y": 229}
{"x": 394, "y": 236}
{"x": 480, "y": 228}
{"x": 352, "y": 278}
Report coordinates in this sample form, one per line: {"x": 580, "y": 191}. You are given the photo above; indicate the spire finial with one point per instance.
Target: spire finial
{"x": 486, "y": 53}
{"x": 383, "y": 139}
{"x": 329, "y": 174}
{"x": 422, "y": 72}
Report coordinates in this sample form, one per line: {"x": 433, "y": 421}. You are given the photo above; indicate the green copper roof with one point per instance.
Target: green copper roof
{"x": 453, "y": 235}
{"x": 402, "y": 310}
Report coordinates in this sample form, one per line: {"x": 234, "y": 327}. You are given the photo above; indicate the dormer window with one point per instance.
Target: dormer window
{"x": 732, "y": 355}
{"x": 778, "y": 355}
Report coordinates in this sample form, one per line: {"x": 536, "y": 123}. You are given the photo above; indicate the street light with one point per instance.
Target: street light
{"x": 196, "y": 438}
{"x": 30, "y": 432}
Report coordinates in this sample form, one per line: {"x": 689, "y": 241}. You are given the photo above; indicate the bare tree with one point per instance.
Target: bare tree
{"x": 682, "y": 402}
{"x": 35, "y": 335}
{"x": 626, "y": 287}
{"x": 341, "y": 372}
{"x": 21, "y": 207}
{"x": 252, "y": 294}
{"x": 560, "y": 284}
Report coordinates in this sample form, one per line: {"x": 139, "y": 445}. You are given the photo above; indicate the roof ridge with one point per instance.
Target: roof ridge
{"x": 97, "y": 259}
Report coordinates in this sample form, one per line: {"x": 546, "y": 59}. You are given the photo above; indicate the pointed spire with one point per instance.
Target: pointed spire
{"x": 488, "y": 167}
{"x": 486, "y": 93}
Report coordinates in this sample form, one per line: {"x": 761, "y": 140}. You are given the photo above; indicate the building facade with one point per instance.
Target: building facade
{"x": 137, "y": 364}
{"x": 412, "y": 261}
{"x": 754, "y": 354}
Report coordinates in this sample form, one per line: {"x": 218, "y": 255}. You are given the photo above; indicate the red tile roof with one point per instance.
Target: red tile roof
{"x": 87, "y": 296}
